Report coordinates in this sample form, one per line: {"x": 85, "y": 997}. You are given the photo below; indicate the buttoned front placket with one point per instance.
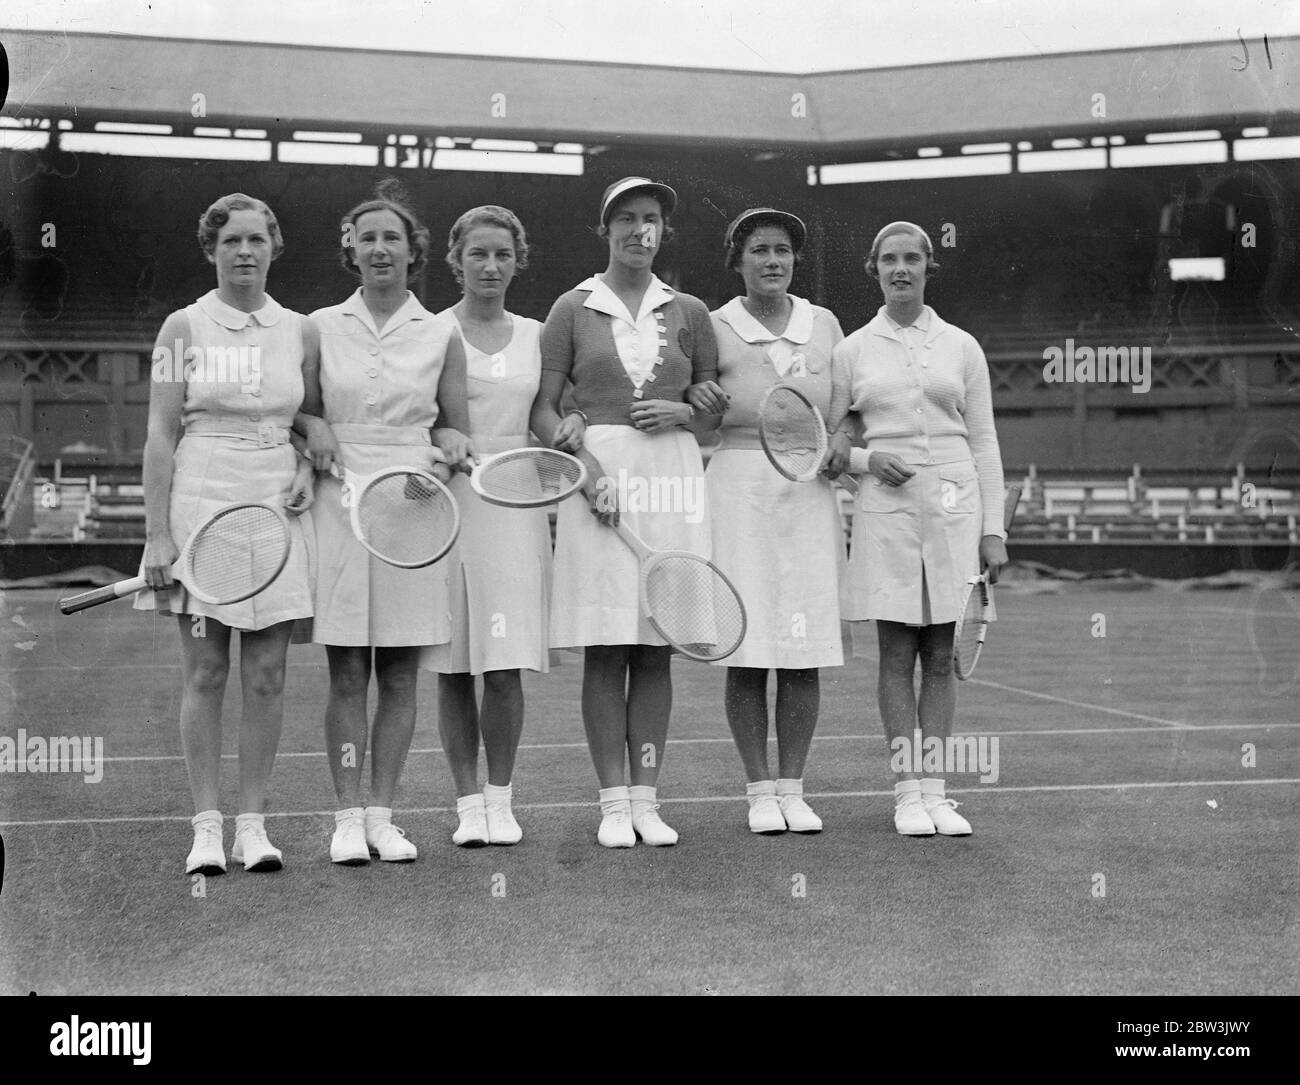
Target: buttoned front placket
{"x": 661, "y": 333}
{"x": 376, "y": 357}
{"x": 916, "y": 366}
{"x": 603, "y": 300}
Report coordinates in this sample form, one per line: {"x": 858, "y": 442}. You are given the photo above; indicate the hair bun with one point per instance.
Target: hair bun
{"x": 391, "y": 189}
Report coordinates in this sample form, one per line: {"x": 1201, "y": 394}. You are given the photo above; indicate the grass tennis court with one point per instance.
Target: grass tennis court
{"x": 1119, "y": 756}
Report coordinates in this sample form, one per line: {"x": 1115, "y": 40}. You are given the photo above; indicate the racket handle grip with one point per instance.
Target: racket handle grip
{"x": 106, "y": 594}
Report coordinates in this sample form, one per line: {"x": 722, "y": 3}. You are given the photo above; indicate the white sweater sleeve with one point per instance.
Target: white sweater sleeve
{"x": 982, "y": 436}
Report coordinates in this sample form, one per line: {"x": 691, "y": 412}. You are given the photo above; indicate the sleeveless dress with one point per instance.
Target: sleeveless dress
{"x": 380, "y": 394}
{"x": 241, "y": 394}
{"x": 499, "y": 571}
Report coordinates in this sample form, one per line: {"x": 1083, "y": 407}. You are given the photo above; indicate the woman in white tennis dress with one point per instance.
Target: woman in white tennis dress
{"x": 393, "y": 385}
{"x": 500, "y": 568}
{"x": 230, "y": 372}
{"x": 929, "y": 513}
{"x": 781, "y": 542}
{"x": 629, "y": 347}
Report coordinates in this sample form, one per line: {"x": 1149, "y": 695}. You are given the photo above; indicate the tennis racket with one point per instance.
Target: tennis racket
{"x": 689, "y": 600}
{"x": 793, "y": 435}
{"x": 528, "y": 478}
{"x": 234, "y": 554}
{"x": 402, "y": 515}
{"x": 977, "y": 607}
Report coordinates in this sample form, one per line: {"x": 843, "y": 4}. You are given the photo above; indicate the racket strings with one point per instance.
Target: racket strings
{"x": 792, "y": 433}
{"x": 405, "y": 518}
{"x": 238, "y": 553}
{"x": 970, "y": 635}
{"x": 533, "y": 477}
{"x": 695, "y": 607}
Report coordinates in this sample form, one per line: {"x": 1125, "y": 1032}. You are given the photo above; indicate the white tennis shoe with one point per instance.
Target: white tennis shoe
{"x": 910, "y": 816}
{"x": 799, "y": 816}
{"x": 348, "y": 847}
{"x": 947, "y": 821}
{"x": 472, "y": 832}
{"x": 252, "y": 848}
{"x": 616, "y": 819}
{"x": 385, "y": 839}
{"x": 502, "y": 828}
{"x": 646, "y": 822}
{"x": 765, "y": 817}
{"x": 389, "y": 842}
{"x": 208, "y": 855}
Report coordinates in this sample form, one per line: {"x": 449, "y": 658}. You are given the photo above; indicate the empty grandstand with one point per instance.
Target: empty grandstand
{"x": 1058, "y": 229}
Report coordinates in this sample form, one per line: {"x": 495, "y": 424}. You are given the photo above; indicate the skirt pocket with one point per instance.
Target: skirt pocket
{"x": 877, "y": 497}
{"x": 959, "y": 491}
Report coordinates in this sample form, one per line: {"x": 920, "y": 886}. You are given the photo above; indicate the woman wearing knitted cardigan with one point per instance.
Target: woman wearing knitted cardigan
{"x": 629, "y": 347}
{"x": 929, "y": 515}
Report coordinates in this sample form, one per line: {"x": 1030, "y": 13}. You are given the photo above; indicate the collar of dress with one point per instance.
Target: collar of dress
{"x": 235, "y": 319}
{"x": 410, "y": 309}
{"x": 928, "y": 323}
{"x": 798, "y": 329}
{"x": 604, "y": 300}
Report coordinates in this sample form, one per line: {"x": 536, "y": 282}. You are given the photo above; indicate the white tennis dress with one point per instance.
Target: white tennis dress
{"x": 780, "y": 542}
{"x": 659, "y": 481}
{"x": 380, "y": 393}
{"x": 235, "y": 448}
{"x": 499, "y": 571}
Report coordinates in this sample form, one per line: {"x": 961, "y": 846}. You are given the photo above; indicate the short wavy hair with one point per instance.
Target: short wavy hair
{"x": 487, "y": 215}
{"x": 931, "y": 266}
{"x": 741, "y": 237}
{"x": 216, "y": 216}
{"x": 389, "y": 196}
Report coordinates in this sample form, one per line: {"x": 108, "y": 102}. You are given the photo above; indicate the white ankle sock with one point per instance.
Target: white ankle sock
{"x": 612, "y": 797}
{"x": 499, "y": 793}
{"x": 206, "y": 815}
{"x": 789, "y": 787}
{"x": 932, "y": 787}
{"x": 340, "y": 816}
{"x": 466, "y": 803}
{"x": 378, "y": 815}
{"x": 249, "y": 819}
{"x": 640, "y": 795}
{"x": 904, "y": 788}
{"x": 760, "y": 789}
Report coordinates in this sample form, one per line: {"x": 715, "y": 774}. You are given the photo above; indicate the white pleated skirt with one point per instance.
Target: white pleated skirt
{"x": 659, "y": 481}
{"x": 210, "y": 472}
{"x": 914, "y": 546}
{"x": 499, "y": 583}
{"x": 781, "y": 543}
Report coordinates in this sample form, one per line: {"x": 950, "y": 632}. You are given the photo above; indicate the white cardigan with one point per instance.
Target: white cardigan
{"x": 927, "y": 401}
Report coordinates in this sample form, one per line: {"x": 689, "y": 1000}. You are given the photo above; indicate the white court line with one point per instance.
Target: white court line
{"x": 1080, "y": 704}
{"x": 1040, "y": 732}
{"x": 176, "y": 666}
{"x": 819, "y": 795}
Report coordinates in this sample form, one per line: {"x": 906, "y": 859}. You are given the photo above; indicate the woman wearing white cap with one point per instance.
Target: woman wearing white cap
{"x": 781, "y": 542}
{"x": 929, "y": 515}
{"x": 629, "y": 347}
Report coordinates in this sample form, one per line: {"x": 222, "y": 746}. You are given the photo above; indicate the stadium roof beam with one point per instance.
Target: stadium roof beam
{"x": 281, "y": 87}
